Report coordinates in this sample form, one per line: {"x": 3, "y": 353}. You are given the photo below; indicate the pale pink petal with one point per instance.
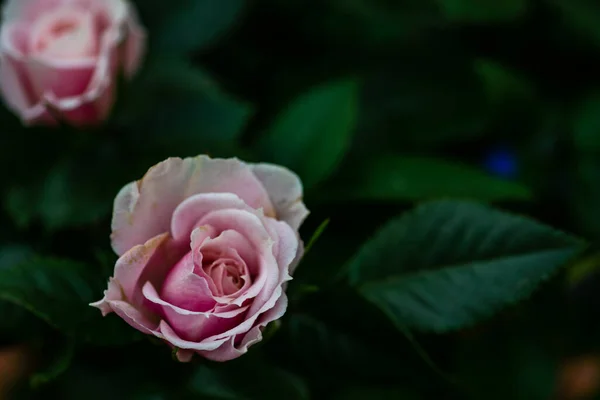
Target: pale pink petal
{"x": 190, "y": 325}
{"x": 234, "y": 240}
{"x": 285, "y": 190}
{"x": 187, "y": 214}
{"x": 252, "y": 228}
{"x": 16, "y": 91}
{"x": 28, "y": 10}
{"x": 134, "y": 317}
{"x": 114, "y": 301}
{"x": 135, "y": 45}
{"x": 114, "y": 292}
{"x": 253, "y": 315}
{"x": 170, "y": 182}
{"x": 229, "y": 351}
{"x": 185, "y": 289}
{"x": 15, "y": 39}
{"x": 148, "y": 262}
{"x": 48, "y": 80}
{"x": 287, "y": 246}
{"x": 171, "y": 336}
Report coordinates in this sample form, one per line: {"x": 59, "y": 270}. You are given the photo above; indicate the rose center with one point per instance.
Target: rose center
{"x": 227, "y": 277}
{"x": 65, "y": 34}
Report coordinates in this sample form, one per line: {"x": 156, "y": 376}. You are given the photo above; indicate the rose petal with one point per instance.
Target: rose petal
{"x": 287, "y": 246}
{"x": 170, "y": 182}
{"x": 148, "y": 262}
{"x": 191, "y": 210}
{"x": 114, "y": 301}
{"x": 47, "y": 80}
{"x": 285, "y": 190}
{"x": 190, "y": 325}
{"x": 134, "y": 317}
{"x": 252, "y": 228}
{"x": 171, "y": 336}
{"x": 15, "y": 90}
{"x": 251, "y": 318}
{"x": 135, "y": 46}
{"x": 28, "y": 10}
{"x": 229, "y": 351}
{"x": 233, "y": 240}
{"x": 185, "y": 289}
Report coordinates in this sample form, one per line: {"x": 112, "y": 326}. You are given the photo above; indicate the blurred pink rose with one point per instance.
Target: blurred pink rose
{"x": 206, "y": 246}
{"x": 60, "y": 58}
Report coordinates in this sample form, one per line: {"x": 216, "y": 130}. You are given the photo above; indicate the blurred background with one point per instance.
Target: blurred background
{"x": 377, "y": 105}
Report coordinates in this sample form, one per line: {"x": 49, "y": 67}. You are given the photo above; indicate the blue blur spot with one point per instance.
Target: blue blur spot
{"x": 501, "y": 162}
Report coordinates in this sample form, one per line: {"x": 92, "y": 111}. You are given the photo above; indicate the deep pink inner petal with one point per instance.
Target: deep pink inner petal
{"x": 223, "y": 268}
{"x": 186, "y": 289}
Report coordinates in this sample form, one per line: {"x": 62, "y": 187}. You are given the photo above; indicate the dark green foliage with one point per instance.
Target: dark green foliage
{"x": 450, "y": 156}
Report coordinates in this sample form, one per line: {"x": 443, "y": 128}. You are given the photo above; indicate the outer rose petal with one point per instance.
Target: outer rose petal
{"x": 288, "y": 247}
{"x": 229, "y": 351}
{"x": 169, "y": 183}
{"x": 14, "y": 84}
{"x": 148, "y": 262}
{"x": 28, "y": 10}
{"x": 190, "y": 211}
{"x": 285, "y": 190}
{"x": 114, "y": 301}
{"x": 135, "y": 46}
{"x": 194, "y": 326}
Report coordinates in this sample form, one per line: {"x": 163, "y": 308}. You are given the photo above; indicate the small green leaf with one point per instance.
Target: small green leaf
{"x": 483, "y": 11}
{"x": 313, "y": 133}
{"x": 196, "y": 25}
{"x": 396, "y": 178}
{"x": 450, "y": 264}
{"x": 59, "y": 292}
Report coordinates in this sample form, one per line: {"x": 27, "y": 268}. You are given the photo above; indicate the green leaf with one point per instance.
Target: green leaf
{"x": 74, "y": 191}
{"x": 483, "y": 11}
{"x": 313, "y": 133}
{"x": 15, "y": 321}
{"x": 59, "y": 292}
{"x": 449, "y": 264}
{"x": 188, "y": 104}
{"x": 58, "y": 202}
{"x": 196, "y": 25}
{"x": 396, "y": 178}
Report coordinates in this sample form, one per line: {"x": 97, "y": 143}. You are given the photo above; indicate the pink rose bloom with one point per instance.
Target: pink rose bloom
{"x": 206, "y": 247}
{"x": 59, "y": 59}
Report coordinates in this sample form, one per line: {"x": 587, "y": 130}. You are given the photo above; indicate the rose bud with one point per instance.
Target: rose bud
{"x": 60, "y": 59}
